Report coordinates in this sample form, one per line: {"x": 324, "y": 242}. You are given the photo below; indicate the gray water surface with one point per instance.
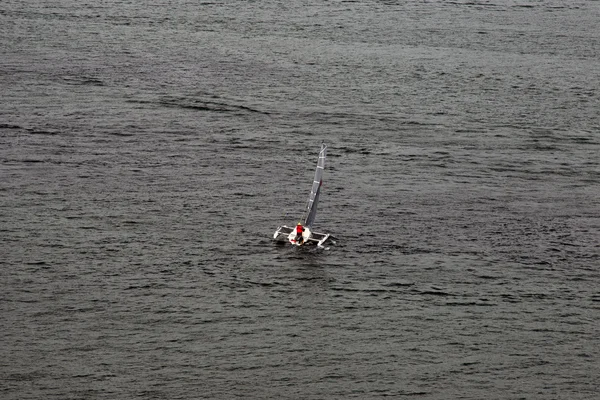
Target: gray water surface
{"x": 148, "y": 151}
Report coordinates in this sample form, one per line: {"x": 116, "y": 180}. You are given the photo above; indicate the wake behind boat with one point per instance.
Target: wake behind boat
{"x": 303, "y": 234}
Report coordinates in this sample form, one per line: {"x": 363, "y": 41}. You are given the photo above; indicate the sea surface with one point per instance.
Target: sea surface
{"x": 149, "y": 149}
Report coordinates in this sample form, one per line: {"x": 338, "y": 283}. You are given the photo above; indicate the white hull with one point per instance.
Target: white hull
{"x": 287, "y": 234}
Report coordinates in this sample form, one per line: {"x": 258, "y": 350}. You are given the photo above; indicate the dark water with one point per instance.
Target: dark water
{"x": 148, "y": 150}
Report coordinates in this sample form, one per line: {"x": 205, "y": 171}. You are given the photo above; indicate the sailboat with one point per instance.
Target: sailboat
{"x": 286, "y": 233}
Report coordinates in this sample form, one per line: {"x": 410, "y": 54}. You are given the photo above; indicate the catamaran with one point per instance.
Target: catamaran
{"x": 286, "y": 233}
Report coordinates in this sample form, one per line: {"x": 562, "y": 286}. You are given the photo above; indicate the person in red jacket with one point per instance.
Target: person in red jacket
{"x": 299, "y": 230}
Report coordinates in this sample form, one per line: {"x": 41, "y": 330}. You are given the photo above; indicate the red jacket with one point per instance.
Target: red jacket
{"x": 299, "y": 229}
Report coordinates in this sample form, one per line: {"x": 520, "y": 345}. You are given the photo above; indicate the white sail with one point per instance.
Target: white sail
{"x": 313, "y": 199}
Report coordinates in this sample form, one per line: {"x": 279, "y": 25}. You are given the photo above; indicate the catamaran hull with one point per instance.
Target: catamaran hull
{"x": 285, "y": 234}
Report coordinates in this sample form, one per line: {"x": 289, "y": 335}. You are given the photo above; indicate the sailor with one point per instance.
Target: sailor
{"x": 299, "y": 230}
